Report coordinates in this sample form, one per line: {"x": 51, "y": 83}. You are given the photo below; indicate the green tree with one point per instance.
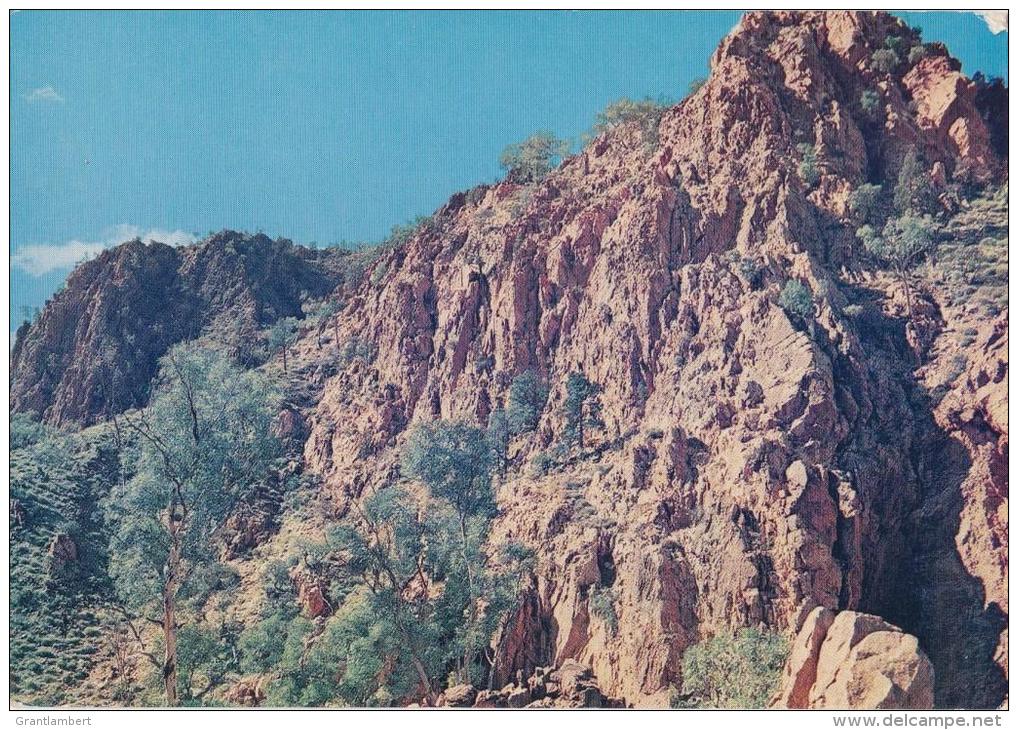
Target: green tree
{"x": 204, "y": 444}
{"x": 209, "y": 653}
{"x": 280, "y": 594}
{"x": 498, "y": 439}
{"x": 885, "y": 60}
{"x": 325, "y": 313}
{"x": 903, "y": 242}
{"x": 261, "y": 644}
{"x": 808, "y": 170}
{"x": 528, "y": 395}
{"x": 453, "y": 460}
{"x": 894, "y": 42}
{"x": 387, "y": 554}
{"x": 504, "y": 579}
{"x": 582, "y": 408}
{"x": 348, "y": 661}
{"x": 796, "y": 299}
{"x": 644, "y": 113}
{"x": 740, "y": 671}
{"x": 866, "y": 203}
{"x": 913, "y": 192}
{"x": 282, "y": 335}
{"x": 533, "y": 158}
{"x": 417, "y": 595}
{"x": 398, "y": 552}
{"x": 869, "y": 100}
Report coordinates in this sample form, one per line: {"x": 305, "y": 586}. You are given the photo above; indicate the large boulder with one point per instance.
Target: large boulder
{"x": 852, "y": 660}
{"x": 801, "y": 668}
{"x": 248, "y": 692}
{"x": 461, "y": 695}
{"x": 310, "y": 593}
{"x": 63, "y": 551}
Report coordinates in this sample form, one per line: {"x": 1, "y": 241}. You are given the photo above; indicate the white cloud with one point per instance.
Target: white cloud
{"x": 44, "y": 94}
{"x": 996, "y": 20}
{"x": 39, "y": 259}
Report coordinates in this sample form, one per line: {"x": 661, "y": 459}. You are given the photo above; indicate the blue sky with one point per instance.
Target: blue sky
{"x": 322, "y": 126}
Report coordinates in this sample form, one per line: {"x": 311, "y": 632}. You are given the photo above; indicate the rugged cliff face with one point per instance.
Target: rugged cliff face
{"x": 752, "y": 466}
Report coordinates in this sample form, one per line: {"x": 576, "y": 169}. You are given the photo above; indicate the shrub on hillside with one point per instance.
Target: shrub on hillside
{"x": 885, "y": 60}
{"x": 733, "y": 671}
{"x": 796, "y": 299}
{"x": 752, "y": 271}
{"x": 866, "y": 202}
{"x": 26, "y": 430}
{"x": 644, "y": 113}
{"x": 808, "y": 170}
{"x": 913, "y": 192}
{"x": 602, "y": 606}
{"x": 533, "y": 158}
{"x": 869, "y": 100}
{"x": 528, "y": 395}
{"x": 696, "y": 84}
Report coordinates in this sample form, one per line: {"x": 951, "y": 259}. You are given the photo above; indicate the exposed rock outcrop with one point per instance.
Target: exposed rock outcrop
{"x": 95, "y": 347}
{"x": 570, "y": 685}
{"x": 248, "y": 692}
{"x": 62, "y": 552}
{"x": 751, "y": 468}
{"x": 854, "y": 661}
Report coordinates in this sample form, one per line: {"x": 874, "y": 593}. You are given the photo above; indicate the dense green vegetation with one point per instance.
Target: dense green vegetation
{"x": 204, "y": 445}
{"x": 582, "y": 409}
{"x": 282, "y": 335}
{"x": 733, "y": 671}
{"x": 869, "y": 101}
{"x": 416, "y": 592}
{"x": 528, "y": 395}
{"x": 602, "y": 606}
{"x": 56, "y": 480}
{"x": 797, "y": 300}
{"x": 885, "y": 60}
{"x": 903, "y": 237}
{"x": 808, "y": 170}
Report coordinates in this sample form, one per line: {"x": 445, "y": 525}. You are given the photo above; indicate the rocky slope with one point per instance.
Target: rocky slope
{"x": 749, "y": 470}
{"x": 752, "y": 466}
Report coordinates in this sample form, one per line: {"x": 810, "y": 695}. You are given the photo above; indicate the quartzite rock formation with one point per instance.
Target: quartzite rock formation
{"x": 852, "y": 660}
{"x": 751, "y": 468}
{"x": 95, "y": 347}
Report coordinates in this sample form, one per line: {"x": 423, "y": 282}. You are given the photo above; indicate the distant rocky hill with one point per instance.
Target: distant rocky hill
{"x": 95, "y": 347}
{"x": 755, "y": 460}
